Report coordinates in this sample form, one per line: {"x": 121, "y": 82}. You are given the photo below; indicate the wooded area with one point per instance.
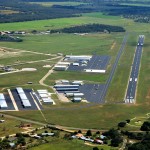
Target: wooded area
{"x": 90, "y": 28}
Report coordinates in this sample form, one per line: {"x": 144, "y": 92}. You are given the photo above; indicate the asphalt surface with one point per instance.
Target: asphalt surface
{"x": 114, "y": 66}
{"x": 9, "y": 103}
{"x": 96, "y": 62}
{"x": 131, "y": 90}
{"x": 92, "y": 92}
{"x": 28, "y": 94}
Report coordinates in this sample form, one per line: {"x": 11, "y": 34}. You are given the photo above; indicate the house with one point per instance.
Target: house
{"x": 102, "y": 137}
{"x": 47, "y": 134}
{"x": 12, "y": 145}
{"x": 1, "y": 121}
{"x": 79, "y": 135}
{"x": 98, "y": 141}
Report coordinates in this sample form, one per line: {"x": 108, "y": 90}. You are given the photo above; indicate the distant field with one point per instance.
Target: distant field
{"x": 128, "y": 24}
{"x": 135, "y": 4}
{"x": 7, "y": 12}
{"x": 47, "y": 4}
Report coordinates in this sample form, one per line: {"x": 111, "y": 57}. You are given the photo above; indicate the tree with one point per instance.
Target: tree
{"x": 79, "y": 131}
{"x": 89, "y": 133}
{"x": 145, "y": 126}
{"x": 95, "y": 148}
{"x": 21, "y": 140}
{"x": 97, "y": 132}
{"x": 121, "y": 124}
{"x": 128, "y": 120}
{"x": 116, "y": 141}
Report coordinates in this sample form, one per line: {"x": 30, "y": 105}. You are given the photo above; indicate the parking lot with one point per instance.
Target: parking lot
{"x": 96, "y": 62}
{"x": 92, "y": 92}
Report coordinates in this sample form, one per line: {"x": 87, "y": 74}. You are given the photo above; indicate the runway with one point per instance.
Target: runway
{"x": 132, "y": 83}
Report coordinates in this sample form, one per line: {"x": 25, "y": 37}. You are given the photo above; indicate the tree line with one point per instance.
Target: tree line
{"x": 88, "y": 28}
{"x": 8, "y": 38}
{"x": 28, "y": 12}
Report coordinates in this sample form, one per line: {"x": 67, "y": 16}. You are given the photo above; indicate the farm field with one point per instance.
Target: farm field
{"x": 135, "y": 4}
{"x": 48, "y": 4}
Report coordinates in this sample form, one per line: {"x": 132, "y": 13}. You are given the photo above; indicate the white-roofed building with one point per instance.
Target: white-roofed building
{"x": 26, "y": 103}
{"x": 19, "y": 90}
{"x": 42, "y": 91}
{"x": 2, "y": 96}
{"x": 3, "y": 103}
{"x": 23, "y": 96}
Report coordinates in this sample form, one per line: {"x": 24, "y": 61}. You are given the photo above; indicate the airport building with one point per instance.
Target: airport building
{"x": 3, "y": 104}
{"x": 45, "y": 97}
{"x": 24, "y": 100}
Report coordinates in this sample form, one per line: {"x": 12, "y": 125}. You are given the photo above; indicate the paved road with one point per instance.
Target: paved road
{"x": 49, "y": 72}
{"x": 131, "y": 90}
{"x": 114, "y": 66}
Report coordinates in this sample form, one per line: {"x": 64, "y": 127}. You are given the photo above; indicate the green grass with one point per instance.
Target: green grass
{"x": 143, "y": 91}
{"x": 22, "y": 58}
{"x": 98, "y": 116}
{"x": 21, "y": 78}
{"x": 68, "y": 43}
{"x": 87, "y": 77}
